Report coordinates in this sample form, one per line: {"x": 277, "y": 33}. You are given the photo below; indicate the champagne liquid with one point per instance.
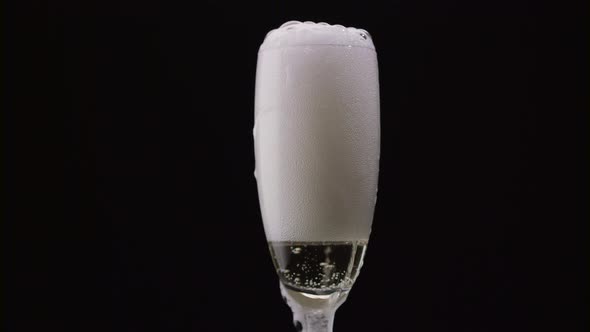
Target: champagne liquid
{"x": 318, "y": 268}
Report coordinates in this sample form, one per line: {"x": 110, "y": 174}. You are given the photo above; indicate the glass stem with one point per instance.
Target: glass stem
{"x": 314, "y": 320}
{"x": 313, "y": 313}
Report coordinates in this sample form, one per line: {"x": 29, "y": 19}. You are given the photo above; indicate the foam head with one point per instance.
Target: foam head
{"x": 316, "y": 132}
{"x": 295, "y": 33}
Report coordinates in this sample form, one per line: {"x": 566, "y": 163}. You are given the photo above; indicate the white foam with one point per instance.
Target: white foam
{"x": 295, "y": 33}
{"x": 316, "y": 133}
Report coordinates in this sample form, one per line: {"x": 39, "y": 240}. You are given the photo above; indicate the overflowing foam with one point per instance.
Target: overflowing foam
{"x": 316, "y": 133}
{"x": 295, "y": 33}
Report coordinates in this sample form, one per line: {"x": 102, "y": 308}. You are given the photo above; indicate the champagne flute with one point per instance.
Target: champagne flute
{"x": 317, "y": 139}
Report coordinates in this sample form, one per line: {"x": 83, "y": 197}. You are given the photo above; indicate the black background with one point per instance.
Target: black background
{"x": 131, "y": 204}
